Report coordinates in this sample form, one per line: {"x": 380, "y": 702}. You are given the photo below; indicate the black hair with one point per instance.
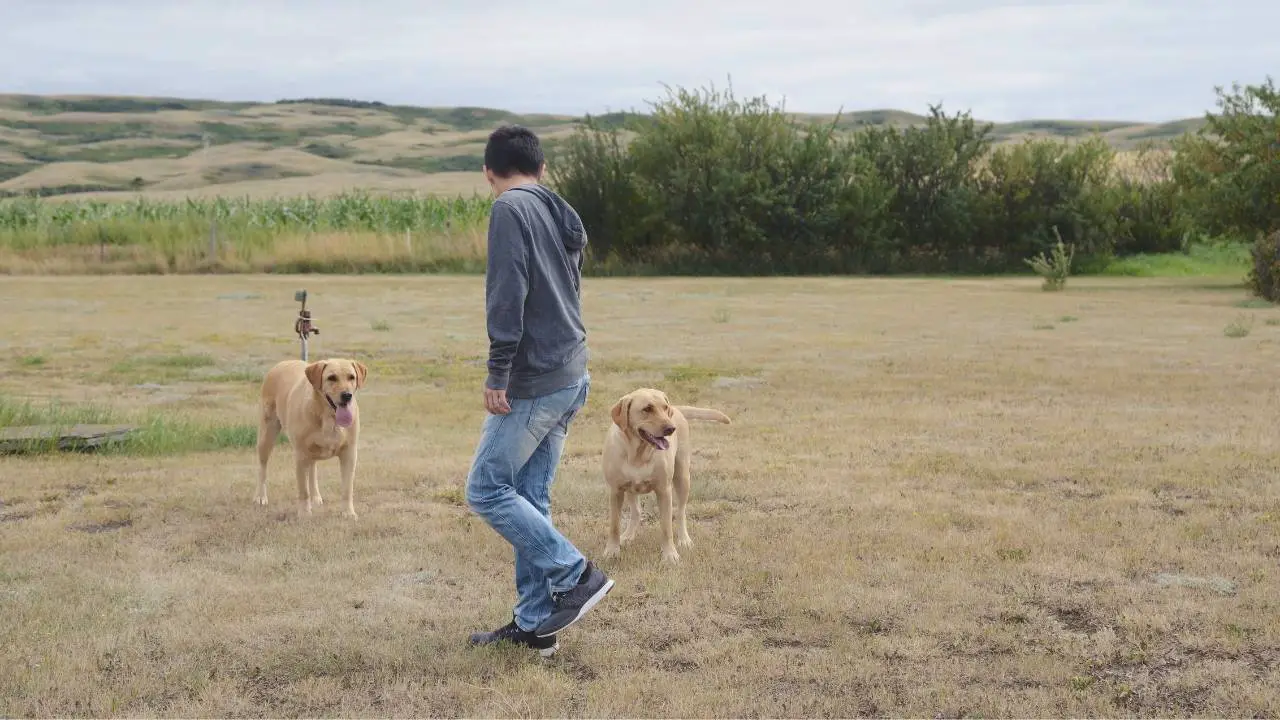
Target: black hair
{"x": 511, "y": 150}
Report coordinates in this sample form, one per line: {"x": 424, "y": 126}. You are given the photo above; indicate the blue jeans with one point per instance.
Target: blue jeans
{"x": 510, "y": 487}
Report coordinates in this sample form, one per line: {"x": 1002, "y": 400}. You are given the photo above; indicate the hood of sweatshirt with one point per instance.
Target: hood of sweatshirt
{"x": 572, "y": 234}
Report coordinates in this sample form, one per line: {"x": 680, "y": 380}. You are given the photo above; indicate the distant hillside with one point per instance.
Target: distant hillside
{"x": 59, "y": 145}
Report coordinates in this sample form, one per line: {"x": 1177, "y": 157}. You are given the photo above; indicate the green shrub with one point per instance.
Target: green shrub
{"x": 1229, "y": 170}
{"x": 715, "y": 184}
{"x": 933, "y": 171}
{"x": 1056, "y": 268}
{"x": 594, "y": 172}
{"x": 1150, "y": 219}
{"x": 1264, "y": 276}
{"x": 1034, "y": 190}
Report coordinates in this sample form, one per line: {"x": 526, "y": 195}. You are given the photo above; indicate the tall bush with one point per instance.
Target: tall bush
{"x": 592, "y": 170}
{"x": 1229, "y": 170}
{"x": 717, "y": 184}
{"x": 1029, "y": 189}
{"x": 933, "y": 170}
{"x": 1149, "y": 217}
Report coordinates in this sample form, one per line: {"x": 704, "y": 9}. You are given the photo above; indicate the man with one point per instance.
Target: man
{"x": 537, "y": 383}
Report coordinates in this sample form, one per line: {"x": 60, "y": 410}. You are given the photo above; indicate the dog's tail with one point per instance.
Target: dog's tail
{"x": 697, "y": 413}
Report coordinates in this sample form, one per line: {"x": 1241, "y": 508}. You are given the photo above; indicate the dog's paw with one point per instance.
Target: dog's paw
{"x": 671, "y": 556}
{"x": 259, "y": 499}
{"x": 685, "y": 541}
{"x": 349, "y": 514}
{"x": 317, "y": 500}
{"x": 612, "y": 551}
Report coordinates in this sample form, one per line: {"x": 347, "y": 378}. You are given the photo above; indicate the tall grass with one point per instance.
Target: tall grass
{"x": 1199, "y": 260}
{"x": 344, "y": 233}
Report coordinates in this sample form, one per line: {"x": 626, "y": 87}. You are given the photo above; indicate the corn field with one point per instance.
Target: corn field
{"x": 31, "y": 222}
{"x": 349, "y": 231}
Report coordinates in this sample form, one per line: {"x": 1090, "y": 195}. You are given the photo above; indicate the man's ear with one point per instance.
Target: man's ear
{"x": 315, "y": 375}
{"x": 621, "y": 413}
{"x": 361, "y": 373}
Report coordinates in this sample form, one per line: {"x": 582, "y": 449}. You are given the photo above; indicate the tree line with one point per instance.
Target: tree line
{"x": 709, "y": 183}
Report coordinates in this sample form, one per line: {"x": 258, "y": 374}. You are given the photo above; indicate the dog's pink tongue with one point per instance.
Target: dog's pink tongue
{"x": 343, "y": 417}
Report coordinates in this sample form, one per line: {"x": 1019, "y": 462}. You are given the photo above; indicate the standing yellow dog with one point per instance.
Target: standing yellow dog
{"x": 315, "y": 404}
{"x": 647, "y": 450}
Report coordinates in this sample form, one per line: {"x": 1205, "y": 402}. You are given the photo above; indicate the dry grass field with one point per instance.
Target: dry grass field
{"x": 938, "y": 499}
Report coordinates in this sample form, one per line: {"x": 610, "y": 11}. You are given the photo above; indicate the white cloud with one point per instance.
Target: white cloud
{"x": 1120, "y": 59}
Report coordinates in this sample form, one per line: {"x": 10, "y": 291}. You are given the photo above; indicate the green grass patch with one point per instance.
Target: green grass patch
{"x": 1256, "y": 304}
{"x": 157, "y": 434}
{"x": 16, "y": 413}
{"x": 31, "y": 360}
{"x": 1198, "y": 261}
{"x": 158, "y": 368}
{"x": 694, "y": 374}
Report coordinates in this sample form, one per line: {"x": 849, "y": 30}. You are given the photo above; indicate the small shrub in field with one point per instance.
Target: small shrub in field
{"x": 1264, "y": 276}
{"x": 1240, "y": 327}
{"x": 1054, "y": 269}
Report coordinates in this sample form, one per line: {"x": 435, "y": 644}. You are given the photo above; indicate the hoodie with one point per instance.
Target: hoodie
{"x": 537, "y": 343}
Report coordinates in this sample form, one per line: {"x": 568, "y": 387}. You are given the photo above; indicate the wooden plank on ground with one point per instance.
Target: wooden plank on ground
{"x": 76, "y": 437}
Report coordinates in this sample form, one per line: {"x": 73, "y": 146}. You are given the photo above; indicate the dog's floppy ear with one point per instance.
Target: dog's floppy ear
{"x": 315, "y": 375}
{"x": 665, "y": 399}
{"x": 361, "y": 373}
{"x": 621, "y": 413}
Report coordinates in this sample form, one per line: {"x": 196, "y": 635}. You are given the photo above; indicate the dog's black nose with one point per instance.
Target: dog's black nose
{"x": 346, "y": 397}
{"x": 668, "y": 430}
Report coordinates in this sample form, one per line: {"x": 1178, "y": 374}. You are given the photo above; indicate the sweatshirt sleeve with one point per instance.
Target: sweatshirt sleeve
{"x": 506, "y": 285}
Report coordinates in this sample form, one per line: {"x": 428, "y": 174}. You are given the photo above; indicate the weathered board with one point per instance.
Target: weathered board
{"x": 76, "y": 437}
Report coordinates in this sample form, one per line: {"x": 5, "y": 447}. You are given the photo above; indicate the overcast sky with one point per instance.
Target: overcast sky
{"x": 1003, "y": 59}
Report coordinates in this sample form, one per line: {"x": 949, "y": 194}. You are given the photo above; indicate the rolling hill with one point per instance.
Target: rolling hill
{"x": 165, "y": 147}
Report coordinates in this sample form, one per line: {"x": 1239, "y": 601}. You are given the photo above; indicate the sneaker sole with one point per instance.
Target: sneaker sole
{"x": 586, "y": 607}
{"x": 548, "y": 652}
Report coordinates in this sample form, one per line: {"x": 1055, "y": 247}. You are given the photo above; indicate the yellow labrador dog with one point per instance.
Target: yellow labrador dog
{"x": 647, "y": 450}
{"x": 315, "y": 404}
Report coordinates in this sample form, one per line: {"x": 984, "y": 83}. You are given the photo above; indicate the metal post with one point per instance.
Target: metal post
{"x": 302, "y": 326}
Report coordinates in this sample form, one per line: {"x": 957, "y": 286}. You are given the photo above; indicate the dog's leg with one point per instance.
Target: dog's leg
{"x": 303, "y": 470}
{"x": 633, "y": 521}
{"x": 681, "y": 482}
{"x": 315, "y": 485}
{"x": 268, "y": 432}
{"x": 664, "y": 520}
{"x": 347, "y": 461}
{"x": 612, "y": 548}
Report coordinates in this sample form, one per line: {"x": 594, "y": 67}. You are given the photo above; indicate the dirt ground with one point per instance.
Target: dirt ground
{"x": 937, "y": 499}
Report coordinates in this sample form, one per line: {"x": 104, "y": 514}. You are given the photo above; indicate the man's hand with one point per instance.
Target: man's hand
{"x": 495, "y": 401}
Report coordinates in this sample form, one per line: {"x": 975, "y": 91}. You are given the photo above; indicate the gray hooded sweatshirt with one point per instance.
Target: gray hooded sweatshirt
{"x": 537, "y": 343}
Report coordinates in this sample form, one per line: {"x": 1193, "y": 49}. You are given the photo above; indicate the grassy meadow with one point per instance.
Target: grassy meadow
{"x": 938, "y": 498}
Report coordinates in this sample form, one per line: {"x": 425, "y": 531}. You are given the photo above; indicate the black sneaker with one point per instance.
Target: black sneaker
{"x": 572, "y": 604}
{"x": 546, "y": 646}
